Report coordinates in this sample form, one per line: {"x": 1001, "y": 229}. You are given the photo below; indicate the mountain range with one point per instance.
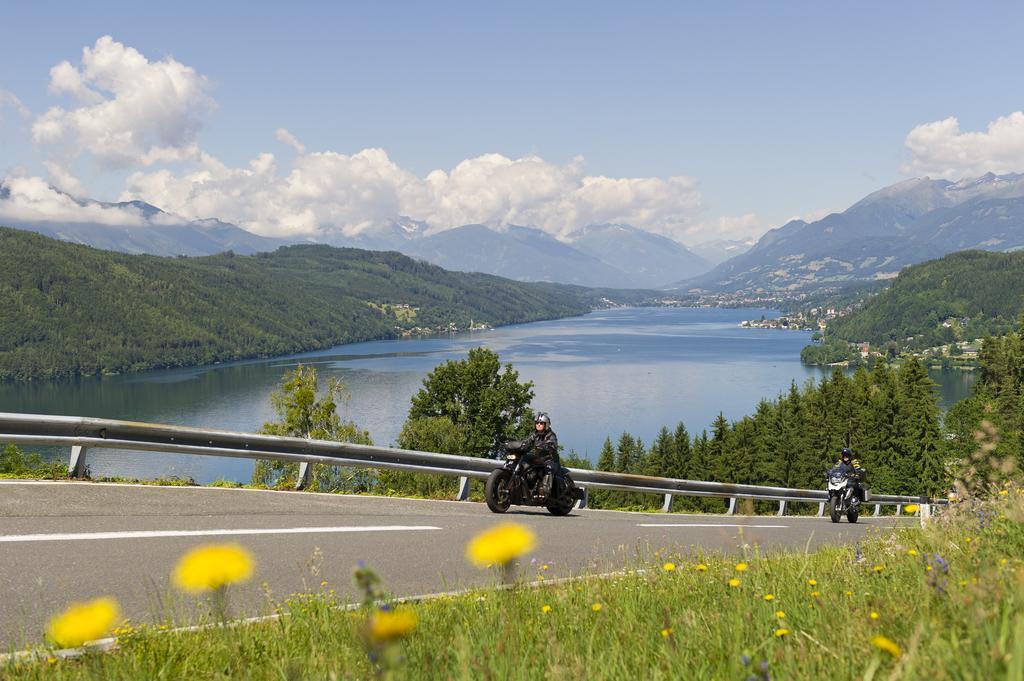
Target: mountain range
{"x": 906, "y": 223}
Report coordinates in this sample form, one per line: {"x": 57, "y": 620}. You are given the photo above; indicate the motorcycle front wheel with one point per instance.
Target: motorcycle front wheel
{"x": 496, "y": 491}
{"x": 833, "y": 509}
{"x": 852, "y": 515}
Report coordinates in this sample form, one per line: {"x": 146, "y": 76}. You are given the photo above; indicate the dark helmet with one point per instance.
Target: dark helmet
{"x": 847, "y": 453}
{"x": 542, "y": 418}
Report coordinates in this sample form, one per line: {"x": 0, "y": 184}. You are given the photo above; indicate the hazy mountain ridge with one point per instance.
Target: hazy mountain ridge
{"x": 875, "y": 238}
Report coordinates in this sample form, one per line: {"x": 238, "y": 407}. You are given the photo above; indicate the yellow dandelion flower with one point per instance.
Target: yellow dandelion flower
{"x": 741, "y": 567}
{"x": 596, "y": 607}
{"x": 886, "y": 645}
{"x": 1003, "y": 492}
{"x": 500, "y": 545}
{"x": 207, "y": 568}
{"x": 911, "y": 508}
{"x": 701, "y": 567}
{"x": 545, "y": 609}
{"x": 878, "y": 568}
{"x": 815, "y": 594}
{"x": 781, "y": 614}
{"x": 967, "y": 539}
{"x": 963, "y": 582}
{"x": 734, "y": 582}
{"x": 769, "y": 597}
{"x": 812, "y": 582}
{"x": 545, "y": 567}
{"x": 912, "y": 552}
{"x": 323, "y": 583}
{"x": 390, "y": 625}
{"x": 1002, "y": 561}
{"x": 83, "y": 622}
{"x": 849, "y": 593}
{"x": 873, "y": 615}
{"x": 666, "y": 632}
{"x": 668, "y": 567}
{"x": 779, "y": 633}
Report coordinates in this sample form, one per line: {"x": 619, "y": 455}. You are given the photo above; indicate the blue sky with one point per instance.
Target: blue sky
{"x": 774, "y": 109}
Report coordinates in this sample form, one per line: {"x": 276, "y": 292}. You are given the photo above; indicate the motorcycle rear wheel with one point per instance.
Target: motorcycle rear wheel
{"x": 496, "y": 491}
{"x": 562, "y": 505}
{"x": 833, "y": 510}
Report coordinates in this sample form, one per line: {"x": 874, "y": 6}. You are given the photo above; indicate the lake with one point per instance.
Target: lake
{"x": 633, "y": 369}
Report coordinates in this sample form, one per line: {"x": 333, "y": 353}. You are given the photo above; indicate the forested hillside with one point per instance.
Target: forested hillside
{"x": 977, "y": 293}
{"x": 889, "y": 417}
{"x": 69, "y": 310}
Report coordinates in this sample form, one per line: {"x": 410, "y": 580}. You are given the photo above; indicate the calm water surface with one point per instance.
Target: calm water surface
{"x": 597, "y": 375}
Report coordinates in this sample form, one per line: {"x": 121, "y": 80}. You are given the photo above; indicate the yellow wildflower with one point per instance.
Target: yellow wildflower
{"x": 596, "y": 607}
{"x": 812, "y": 582}
{"x": 849, "y": 593}
{"x": 780, "y": 614}
{"x": 389, "y": 625}
{"x": 545, "y": 609}
{"x": 668, "y": 567}
{"x": 211, "y": 567}
{"x": 878, "y": 568}
{"x": 1003, "y": 492}
{"x": 83, "y": 622}
{"x": 911, "y": 508}
{"x": 873, "y": 615}
{"x": 500, "y": 545}
{"x": 701, "y": 567}
{"x": 1002, "y": 561}
{"x": 734, "y": 582}
{"x": 912, "y": 552}
{"x": 741, "y": 567}
{"x": 815, "y": 594}
{"x": 885, "y": 644}
{"x": 779, "y": 633}
{"x": 666, "y": 632}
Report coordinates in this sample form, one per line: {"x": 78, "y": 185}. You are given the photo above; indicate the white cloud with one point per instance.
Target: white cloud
{"x": 8, "y": 100}
{"x": 329, "y": 192}
{"x": 130, "y": 111}
{"x": 730, "y": 227}
{"x": 33, "y": 199}
{"x": 63, "y": 179}
{"x": 941, "y": 149}
{"x": 291, "y": 140}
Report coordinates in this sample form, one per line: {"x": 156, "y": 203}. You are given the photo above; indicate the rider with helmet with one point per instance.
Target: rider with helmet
{"x": 850, "y": 466}
{"x": 542, "y": 447}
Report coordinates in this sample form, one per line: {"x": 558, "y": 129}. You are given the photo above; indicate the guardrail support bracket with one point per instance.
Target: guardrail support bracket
{"x": 782, "y": 508}
{"x": 899, "y": 509}
{"x": 76, "y": 465}
{"x": 582, "y": 503}
{"x": 878, "y": 510}
{"x": 821, "y": 510}
{"x": 305, "y": 475}
{"x": 667, "y": 505}
{"x": 463, "y": 493}
{"x": 732, "y": 506}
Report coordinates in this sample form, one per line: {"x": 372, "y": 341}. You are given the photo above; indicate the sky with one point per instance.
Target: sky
{"x": 693, "y": 120}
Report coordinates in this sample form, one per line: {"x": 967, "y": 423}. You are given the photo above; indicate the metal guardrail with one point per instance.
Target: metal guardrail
{"x": 83, "y": 433}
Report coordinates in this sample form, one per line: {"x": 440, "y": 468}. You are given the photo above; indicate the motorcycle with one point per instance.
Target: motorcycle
{"x": 520, "y": 483}
{"x": 842, "y": 496}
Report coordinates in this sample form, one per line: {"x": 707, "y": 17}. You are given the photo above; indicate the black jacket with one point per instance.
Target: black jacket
{"x": 849, "y": 469}
{"x": 542, "y": 445}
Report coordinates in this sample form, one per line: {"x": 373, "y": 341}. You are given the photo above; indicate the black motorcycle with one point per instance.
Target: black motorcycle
{"x": 842, "y": 496}
{"x": 520, "y": 483}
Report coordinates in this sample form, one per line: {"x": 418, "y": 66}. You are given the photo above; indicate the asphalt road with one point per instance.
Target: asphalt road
{"x": 67, "y": 541}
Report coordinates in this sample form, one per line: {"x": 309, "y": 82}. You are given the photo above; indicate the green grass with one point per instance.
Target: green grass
{"x": 658, "y": 624}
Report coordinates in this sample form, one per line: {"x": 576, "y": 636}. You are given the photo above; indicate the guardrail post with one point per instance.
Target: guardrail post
{"x": 667, "y": 506}
{"x": 878, "y": 510}
{"x": 782, "y": 508}
{"x": 899, "y": 509}
{"x": 821, "y": 510}
{"x": 582, "y": 503}
{"x": 926, "y": 514}
{"x": 76, "y": 465}
{"x": 305, "y": 475}
{"x": 463, "y": 493}
{"x": 732, "y": 506}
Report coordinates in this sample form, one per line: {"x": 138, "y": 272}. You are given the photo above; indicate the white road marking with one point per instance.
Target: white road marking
{"x": 151, "y": 534}
{"x": 706, "y": 525}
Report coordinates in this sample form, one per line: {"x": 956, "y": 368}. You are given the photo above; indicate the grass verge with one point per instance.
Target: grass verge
{"x": 944, "y": 602}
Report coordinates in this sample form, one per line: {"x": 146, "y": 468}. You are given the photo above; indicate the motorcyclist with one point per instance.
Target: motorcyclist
{"x": 851, "y": 467}
{"x": 542, "y": 448}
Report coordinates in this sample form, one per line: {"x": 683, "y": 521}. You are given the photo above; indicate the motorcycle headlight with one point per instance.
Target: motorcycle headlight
{"x": 510, "y": 457}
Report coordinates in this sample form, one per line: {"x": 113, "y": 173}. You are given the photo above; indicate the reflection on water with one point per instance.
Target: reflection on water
{"x": 599, "y": 374}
